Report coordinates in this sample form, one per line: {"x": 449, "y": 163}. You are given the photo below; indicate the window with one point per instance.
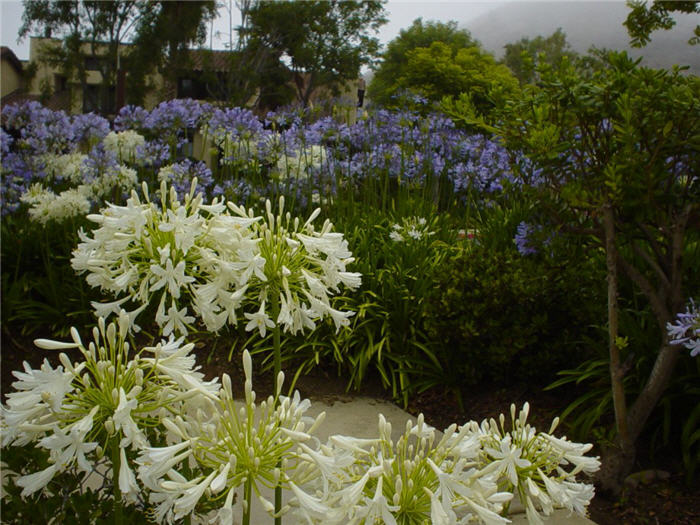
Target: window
{"x": 99, "y": 99}
{"x": 93, "y": 63}
{"x": 191, "y": 88}
{"x": 60, "y": 83}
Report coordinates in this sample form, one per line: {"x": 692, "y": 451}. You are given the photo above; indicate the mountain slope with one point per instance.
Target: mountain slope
{"x": 585, "y": 24}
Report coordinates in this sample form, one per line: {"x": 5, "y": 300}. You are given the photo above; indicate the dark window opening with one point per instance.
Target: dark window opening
{"x": 191, "y": 88}
{"x": 93, "y": 63}
{"x": 99, "y": 99}
{"x": 60, "y": 83}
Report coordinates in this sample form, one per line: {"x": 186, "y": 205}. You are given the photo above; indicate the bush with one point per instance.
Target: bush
{"x": 500, "y": 316}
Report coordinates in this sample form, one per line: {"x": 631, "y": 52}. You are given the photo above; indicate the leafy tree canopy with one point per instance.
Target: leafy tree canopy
{"x": 643, "y": 19}
{"x": 322, "y": 43}
{"x": 395, "y": 59}
{"x": 522, "y": 57}
{"x": 441, "y": 71}
{"x": 160, "y": 31}
{"x": 616, "y": 156}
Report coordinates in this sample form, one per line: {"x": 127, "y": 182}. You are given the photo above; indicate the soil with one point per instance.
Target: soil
{"x": 660, "y": 495}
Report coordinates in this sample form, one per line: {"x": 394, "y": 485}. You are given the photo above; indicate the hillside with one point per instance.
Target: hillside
{"x": 585, "y": 24}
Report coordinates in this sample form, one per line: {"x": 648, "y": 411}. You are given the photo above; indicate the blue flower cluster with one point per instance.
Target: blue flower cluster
{"x": 289, "y": 151}
{"x": 30, "y": 132}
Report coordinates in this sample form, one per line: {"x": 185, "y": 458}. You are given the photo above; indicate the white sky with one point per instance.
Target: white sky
{"x": 400, "y": 14}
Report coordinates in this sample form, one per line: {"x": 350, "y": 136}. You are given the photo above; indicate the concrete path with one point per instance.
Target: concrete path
{"x": 358, "y": 417}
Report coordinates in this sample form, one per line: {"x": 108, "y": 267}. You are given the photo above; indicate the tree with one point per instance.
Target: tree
{"x": 161, "y": 31}
{"x": 619, "y": 155}
{"x": 441, "y": 71}
{"x": 522, "y": 57}
{"x": 643, "y": 20}
{"x": 162, "y": 38}
{"x": 395, "y": 59}
{"x": 322, "y": 43}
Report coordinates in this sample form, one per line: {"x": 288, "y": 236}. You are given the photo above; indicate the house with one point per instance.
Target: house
{"x": 203, "y": 77}
{"x": 12, "y": 78}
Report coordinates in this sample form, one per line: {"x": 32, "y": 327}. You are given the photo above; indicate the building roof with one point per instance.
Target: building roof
{"x": 7, "y": 54}
{"x": 210, "y": 60}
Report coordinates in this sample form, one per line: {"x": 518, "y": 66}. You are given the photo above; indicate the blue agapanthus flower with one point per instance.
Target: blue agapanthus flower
{"x": 686, "y": 330}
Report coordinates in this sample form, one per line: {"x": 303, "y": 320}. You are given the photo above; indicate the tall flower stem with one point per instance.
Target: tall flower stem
{"x": 247, "y": 500}
{"x": 116, "y": 463}
{"x": 275, "y": 304}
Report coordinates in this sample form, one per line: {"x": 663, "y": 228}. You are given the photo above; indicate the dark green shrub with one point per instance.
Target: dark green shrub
{"x": 499, "y": 316}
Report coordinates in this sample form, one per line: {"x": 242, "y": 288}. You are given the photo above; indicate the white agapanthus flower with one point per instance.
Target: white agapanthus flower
{"x": 233, "y": 449}
{"x": 163, "y": 254}
{"x": 110, "y": 404}
{"x": 67, "y": 167}
{"x": 120, "y": 180}
{"x": 301, "y": 163}
{"x": 296, "y": 270}
{"x": 216, "y": 264}
{"x": 46, "y": 206}
{"x": 411, "y": 229}
{"x": 124, "y": 144}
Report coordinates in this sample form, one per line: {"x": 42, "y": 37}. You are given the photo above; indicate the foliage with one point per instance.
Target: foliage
{"x": 323, "y": 43}
{"x": 503, "y": 317}
{"x": 161, "y": 42}
{"x": 617, "y": 158}
{"x": 159, "y": 30}
{"x": 643, "y": 20}
{"x": 439, "y": 71}
{"x": 523, "y": 56}
{"x": 394, "y": 60}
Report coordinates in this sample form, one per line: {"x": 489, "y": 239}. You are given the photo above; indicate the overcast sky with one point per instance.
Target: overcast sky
{"x": 400, "y": 14}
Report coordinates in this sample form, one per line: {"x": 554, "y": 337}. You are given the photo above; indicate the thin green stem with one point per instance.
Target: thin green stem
{"x": 247, "y": 498}
{"x": 275, "y": 304}
{"x": 116, "y": 463}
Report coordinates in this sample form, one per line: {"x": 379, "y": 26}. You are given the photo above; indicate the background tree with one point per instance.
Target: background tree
{"x": 162, "y": 40}
{"x": 617, "y": 158}
{"x": 395, "y": 59}
{"x": 163, "y": 37}
{"x": 101, "y": 26}
{"x": 322, "y": 44}
{"x": 522, "y": 57}
{"x": 161, "y": 32}
{"x": 441, "y": 71}
{"x": 643, "y": 19}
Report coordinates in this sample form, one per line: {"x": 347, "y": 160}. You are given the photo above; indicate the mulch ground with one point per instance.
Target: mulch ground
{"x": 652, "y": 501}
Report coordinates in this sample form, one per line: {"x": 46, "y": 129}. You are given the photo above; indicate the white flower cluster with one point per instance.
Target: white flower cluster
{"x": 68, "y": 167}
{"x": 107, "y": 404}
{"x": 410, "y": 229}
{"x": 47, "y": 206}
{"x": 300, "y": 163}
{"x": 233, "y": 446}
{"x": 119, "y": 180}
{"x": 192, "y": 258}
{"x": 471, "y": 474}
{"x": 124, "y": 144}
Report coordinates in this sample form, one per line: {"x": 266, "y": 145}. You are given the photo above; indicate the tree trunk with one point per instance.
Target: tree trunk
{"x": 618, "y": 460}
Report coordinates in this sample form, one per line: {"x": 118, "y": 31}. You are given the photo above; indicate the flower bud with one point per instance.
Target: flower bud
{"x": 247, "y": 364}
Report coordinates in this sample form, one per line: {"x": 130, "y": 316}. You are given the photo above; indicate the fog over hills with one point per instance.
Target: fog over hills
{"x": 585, "y": 24}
